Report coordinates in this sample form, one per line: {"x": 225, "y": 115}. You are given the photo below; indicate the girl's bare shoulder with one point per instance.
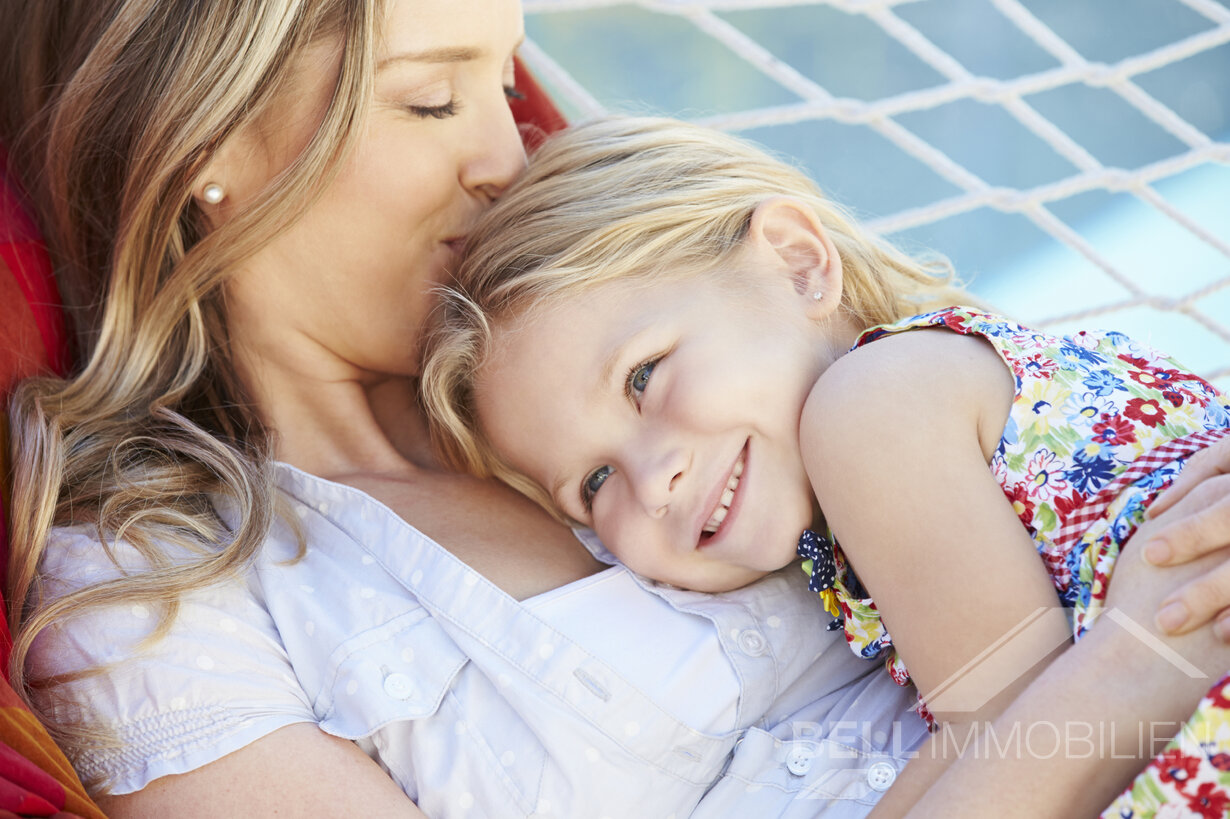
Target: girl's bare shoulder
{"x": 932, "y": 380}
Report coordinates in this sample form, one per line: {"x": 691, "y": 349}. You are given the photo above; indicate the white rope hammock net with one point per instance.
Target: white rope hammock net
{"x": 1201, "y": 313}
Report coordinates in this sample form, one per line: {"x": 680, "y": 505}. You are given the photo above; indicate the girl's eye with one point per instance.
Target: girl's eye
{"x": 592, "y": 483}
{"x": 638, "y": 378}
{"x": 512, "y": 93}
{"x": 444, "y": 111}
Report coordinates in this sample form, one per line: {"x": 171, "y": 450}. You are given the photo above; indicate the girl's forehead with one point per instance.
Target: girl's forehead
{"x": 556, "y": 309}
{"x": 540, "y": 375}
{"x": 631, "y": 293}
{"x": 571, "y": 342}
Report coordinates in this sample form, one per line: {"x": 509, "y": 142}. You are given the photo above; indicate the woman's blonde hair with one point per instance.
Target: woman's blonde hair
{"x": 112, "y": 109}
{"x": 622, "y": 198}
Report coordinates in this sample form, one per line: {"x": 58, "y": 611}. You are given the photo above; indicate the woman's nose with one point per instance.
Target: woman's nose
{"x": 498, "y": 156}
{"x": 656, "y": 478}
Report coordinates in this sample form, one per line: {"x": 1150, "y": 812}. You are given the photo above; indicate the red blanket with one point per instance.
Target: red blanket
{"x": 35, "y": 777}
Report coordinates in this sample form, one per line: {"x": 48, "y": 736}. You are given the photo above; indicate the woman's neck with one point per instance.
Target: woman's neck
{"x": 335, "y": 422}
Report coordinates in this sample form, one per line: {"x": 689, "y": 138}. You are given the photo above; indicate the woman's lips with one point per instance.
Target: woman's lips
{"x": 721, "y": 511}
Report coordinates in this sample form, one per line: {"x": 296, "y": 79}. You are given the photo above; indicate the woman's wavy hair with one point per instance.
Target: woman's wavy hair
{"x": 111, "y": 110}
{"x": 640, "y": 198}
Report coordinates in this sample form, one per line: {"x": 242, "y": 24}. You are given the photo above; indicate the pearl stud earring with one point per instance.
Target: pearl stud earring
{"x": 213, "y": 193}
{"x": 818, "y": 295}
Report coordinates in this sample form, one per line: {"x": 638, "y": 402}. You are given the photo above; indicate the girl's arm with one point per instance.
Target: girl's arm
{"x": 897, "y": 446}
{"x": 896, "y": 438}
{"x": 1114, "y": 698}
{"x": 296, "y": 771}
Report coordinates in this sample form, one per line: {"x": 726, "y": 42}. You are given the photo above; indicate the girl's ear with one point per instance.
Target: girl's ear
{"x": 793, "y": 241}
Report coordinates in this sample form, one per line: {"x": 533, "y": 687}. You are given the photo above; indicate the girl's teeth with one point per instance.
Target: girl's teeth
{"x": 728, "y": 495}
{"x": 719, "y": 515}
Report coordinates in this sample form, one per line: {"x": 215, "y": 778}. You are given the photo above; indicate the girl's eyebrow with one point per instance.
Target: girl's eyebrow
{"x": 556, "y": 489}
{"x": 607, "y": 372}
{"x": 617, "y": 354}
{"x": 558, "y": 496}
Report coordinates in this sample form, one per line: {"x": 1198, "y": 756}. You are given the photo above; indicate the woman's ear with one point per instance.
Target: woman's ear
{"x": 234, "y": 173}
{"x": 794, "y": 242}
{"x": 214, "y": 190}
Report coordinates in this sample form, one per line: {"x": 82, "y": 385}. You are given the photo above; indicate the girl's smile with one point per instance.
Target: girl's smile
{"x": 725, "y": 504}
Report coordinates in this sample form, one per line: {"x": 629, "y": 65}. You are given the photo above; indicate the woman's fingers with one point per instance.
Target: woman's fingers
{"x": 1195, "y": 523}
{"x": 1199, "y": 601}
{"x": 1211, "y": 461}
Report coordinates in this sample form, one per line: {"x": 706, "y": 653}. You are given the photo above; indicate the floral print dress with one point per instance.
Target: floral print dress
{"x": 1099, "y": 426}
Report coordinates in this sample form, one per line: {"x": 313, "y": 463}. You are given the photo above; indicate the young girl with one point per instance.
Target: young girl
{"x": 668, "y": 336}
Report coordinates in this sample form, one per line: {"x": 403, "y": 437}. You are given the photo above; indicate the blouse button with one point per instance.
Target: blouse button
{"x": 398, "y": 686}
{"x": 881, "y": 775}
{"x": 798, "y": 760}
{"x": 752, "y": 643}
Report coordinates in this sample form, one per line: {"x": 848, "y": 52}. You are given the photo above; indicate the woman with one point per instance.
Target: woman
{"x": 261, "y": 195}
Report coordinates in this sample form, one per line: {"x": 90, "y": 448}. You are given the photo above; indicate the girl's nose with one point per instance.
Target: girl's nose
{"x": 656, "y": 478}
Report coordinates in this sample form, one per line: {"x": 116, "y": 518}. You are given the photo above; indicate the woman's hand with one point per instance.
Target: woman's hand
{"x": 1189, "y": 520}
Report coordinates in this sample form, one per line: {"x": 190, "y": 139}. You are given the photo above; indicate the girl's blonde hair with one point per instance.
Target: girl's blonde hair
{"x": 631, "y": 198}
{"x": 112, "y": 108}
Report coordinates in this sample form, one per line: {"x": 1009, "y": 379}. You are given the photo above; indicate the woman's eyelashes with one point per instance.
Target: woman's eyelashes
{"x": 451, "y": 107}
{"x": 444, "y": 111}
{"x": 591, "y": 484}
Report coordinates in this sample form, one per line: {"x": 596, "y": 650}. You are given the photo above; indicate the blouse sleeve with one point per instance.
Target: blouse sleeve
{"x": 219, "y": 680}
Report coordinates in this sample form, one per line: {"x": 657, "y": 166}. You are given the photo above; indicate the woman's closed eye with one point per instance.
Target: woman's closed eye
{"x": 444, "y": 111}
{"x": 451, "y": 107}
{"x": 591, "y": 484}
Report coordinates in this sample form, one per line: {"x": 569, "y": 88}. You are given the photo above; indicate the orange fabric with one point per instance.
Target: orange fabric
{"x": 33, "y": 769}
